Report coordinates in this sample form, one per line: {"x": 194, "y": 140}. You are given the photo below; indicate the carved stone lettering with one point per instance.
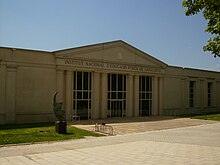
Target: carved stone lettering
{"x": 111, "y": 66}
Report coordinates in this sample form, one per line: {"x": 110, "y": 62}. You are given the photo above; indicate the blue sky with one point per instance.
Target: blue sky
{"x": 158, "y": 28}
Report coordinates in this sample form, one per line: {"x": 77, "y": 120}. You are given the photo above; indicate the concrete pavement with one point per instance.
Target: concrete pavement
{"x": 123, "y": 126}
{"x": 188, "y": 145}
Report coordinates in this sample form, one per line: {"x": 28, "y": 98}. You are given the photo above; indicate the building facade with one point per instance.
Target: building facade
{"x": 106, "y": 80}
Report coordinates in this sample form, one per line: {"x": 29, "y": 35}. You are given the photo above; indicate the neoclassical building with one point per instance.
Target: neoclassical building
{"x": 106, "y": 80}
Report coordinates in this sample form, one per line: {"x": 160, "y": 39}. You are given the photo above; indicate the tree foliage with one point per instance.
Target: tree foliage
{"x": 211, "y": 12}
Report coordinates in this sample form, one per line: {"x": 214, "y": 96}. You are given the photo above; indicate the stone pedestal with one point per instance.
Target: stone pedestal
{"x": 60, "y": 127}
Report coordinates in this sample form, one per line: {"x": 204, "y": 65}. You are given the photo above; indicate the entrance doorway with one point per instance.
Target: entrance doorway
{"x": 82, "y": 94}
{"x": 116, "y": 108}
{"x": 145, "y": 96}
{"x": 116, "y": 95}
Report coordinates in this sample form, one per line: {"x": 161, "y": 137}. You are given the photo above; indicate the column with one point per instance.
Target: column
{"x": 214, "y": 94}
{"x": 2, "y": 91}
{"x": 96, "y": 96}
{"x": 217, "y": 94}
{"x": 104, "y": 95}
{"x": 186, "y": 94}
{"x": 60, "y": 85}
{"x": 136, "y": 96}
{"x": 155, "y": 105}
{"x": 68, "y": 99}
{"x": 183, "y": 99}
{"x": 198, "y": 94}
{"x": 205, "y": 94}
{"x": 160, "y": 96}
{"x": 202, "y": 95}
{"x": 130, "y": 96}
{"x": 10, "y": 93}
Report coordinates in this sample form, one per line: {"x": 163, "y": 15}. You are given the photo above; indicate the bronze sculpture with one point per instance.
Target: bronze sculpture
{"x": 57, "y": 108}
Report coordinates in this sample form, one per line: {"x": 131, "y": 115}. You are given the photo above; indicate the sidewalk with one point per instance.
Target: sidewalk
{"x": 123, "y": 126}
{"x": 187, "y": 145}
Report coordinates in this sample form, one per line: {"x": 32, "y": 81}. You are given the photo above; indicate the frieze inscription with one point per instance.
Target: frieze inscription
{"x": 111, "y": 66}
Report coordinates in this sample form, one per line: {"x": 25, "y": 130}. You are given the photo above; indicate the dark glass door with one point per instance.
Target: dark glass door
{"x": 145, "y": 95}
{"x": 82, "y": 95}
{"x": 116, "y": 95}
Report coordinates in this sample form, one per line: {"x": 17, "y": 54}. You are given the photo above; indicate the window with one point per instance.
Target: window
{"x": 82, "y": 94}
{"x": 145, "y": 95}
{"x": 192, "y": 85}
{"x": 209, "y": 94}
{"x": 116, "y": 95}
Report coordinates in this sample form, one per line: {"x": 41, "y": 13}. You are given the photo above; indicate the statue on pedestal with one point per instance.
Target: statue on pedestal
{"x": 60, "y": 126}
{"x": 57, "y": 108}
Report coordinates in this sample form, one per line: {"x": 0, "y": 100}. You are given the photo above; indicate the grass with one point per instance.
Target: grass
{"x": 204, "y": 117}
{"x": 207, "y": 117}
{"x": 31, "y": 133}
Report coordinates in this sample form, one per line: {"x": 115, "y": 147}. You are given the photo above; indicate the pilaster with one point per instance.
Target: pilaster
{"x": 68, "y": 99}
{"x": 104, "y": 91}
{"x": 2, "y": 91}
{"x": 205, "y": 87}
{"x": 130, "y": 95}
{"x": 202, "y": 99}
{"x": 160, "y": 96}
{"x": 136, "y": 96}
{"x": 10, "y": 105}
{"x": 60, "y": 84}
{"x": 214, "y": 94}
{"x": 96, "y": 96}
{"x": 155, "y": 97}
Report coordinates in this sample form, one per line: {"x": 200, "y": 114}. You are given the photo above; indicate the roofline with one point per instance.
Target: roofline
{"x": 145, "y": 53}
{"x": 204, "y": 70}
{"x": 115, "y": 41}
{"x": 194, "y": 69}
{"x": 84, "y": 46}
{"x": 23, "y": 49}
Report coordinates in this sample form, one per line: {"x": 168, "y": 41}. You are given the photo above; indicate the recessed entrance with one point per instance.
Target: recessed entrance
{"x": 145, "y": 95}
{"x": 116, "y": 95}
{"x": 82, "y": 94}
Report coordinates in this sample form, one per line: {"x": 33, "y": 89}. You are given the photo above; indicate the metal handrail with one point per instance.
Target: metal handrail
{"x": 103, "y": 128}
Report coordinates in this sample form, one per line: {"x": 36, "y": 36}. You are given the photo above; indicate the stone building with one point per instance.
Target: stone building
{"x": 106, "y": 80}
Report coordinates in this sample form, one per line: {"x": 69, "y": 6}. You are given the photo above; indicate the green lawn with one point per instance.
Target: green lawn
{"x": 208, "y": 117}
{"x": 204, "y": 117}
{"x": 30, "y": 133}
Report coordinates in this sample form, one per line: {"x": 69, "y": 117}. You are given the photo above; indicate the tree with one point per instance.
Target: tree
{"x": 211, "y": 12}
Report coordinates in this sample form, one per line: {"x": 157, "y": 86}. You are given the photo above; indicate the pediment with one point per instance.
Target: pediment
{"x": 112, "y": 52}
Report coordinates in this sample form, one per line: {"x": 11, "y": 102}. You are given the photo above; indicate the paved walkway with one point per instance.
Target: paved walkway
{"x": 186, "y": 145}
{"x": 123, "y": 126}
